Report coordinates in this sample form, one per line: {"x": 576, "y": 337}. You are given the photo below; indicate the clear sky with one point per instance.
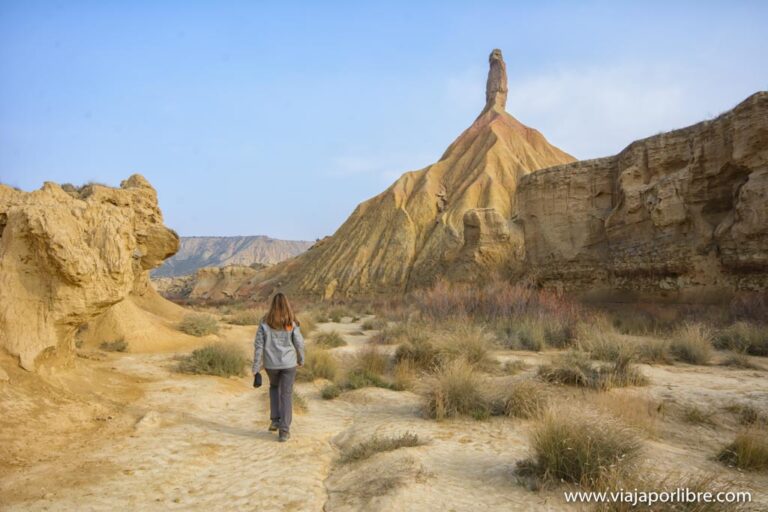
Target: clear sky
{"x": 277, "y": 118}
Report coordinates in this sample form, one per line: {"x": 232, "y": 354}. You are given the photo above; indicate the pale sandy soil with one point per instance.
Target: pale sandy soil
{"x": 128, "y": 433}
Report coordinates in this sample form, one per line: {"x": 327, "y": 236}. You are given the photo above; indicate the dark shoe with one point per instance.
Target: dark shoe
{"x": 284, "y": 436}
{"x": 273, "y": 426}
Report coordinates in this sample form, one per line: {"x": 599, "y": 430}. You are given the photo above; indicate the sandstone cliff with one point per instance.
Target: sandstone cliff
{"x": 67, "y": 256}
{"x": 681, "y": 215}
{"x": 415, "y": 230}
{"x": 198, "y": 252}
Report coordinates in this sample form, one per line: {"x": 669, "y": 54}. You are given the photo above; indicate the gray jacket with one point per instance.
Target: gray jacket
{"x": 280, "y": 349}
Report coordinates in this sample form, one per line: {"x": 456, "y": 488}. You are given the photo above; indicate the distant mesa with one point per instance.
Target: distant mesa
{"x": 196, "y": 252}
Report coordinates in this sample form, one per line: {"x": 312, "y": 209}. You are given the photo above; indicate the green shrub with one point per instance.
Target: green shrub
{"x": 218, "y": 359}
{"x": 377, "y": 444}
{"x": 318, "y": 364}
{"x": 360, "y": 378}
{"x": 330, "y": 339}
{"x": 692, "y": 343}
{"x": 330, "y": 391}
{"x": 199, "y": 324}
{"x": 748, "y": 451}
{"x": 114, "y": 346}
{"x": 580, "y": 449}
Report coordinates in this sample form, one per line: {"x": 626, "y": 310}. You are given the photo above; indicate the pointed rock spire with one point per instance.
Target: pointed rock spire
{"x": 496, "y": 87}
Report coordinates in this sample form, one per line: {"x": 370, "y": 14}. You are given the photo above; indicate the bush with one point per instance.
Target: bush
{"x": 740, "y": 360}
{"x": 575, "y": 369}
{"x": 749, "y": 451}
{"x": 653, "y": 351}
{"x": 745, "y": 338}
{"x": 330, "y": 391}
{"x": 580, "y": 449}
{"x": 600, "y": 341}
{"x": 374, "y": 324}
{"x": 692, "y": 343}
{"x": 395, "y": 334}
{"x": 330, "y": 339}
{"x": 248, "y": 317}
{"x": 199, "y": 324}
{"x": 114, "y": 346}
{"x": 456, "y": 389}
{"x": 521, "y": 399}
{"x": 377, "y": 444}
{"x": 526, "y": 334}
{"x": 318, "y": 364}
{"x": 420, "y": 353}
{"x": 216, "y": 359}
{"x": 468, "y": 342}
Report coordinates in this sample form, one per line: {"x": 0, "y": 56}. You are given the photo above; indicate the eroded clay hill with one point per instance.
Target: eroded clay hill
{"x": 681, "y": 215}
{"x": 415, "y": 230}
{"x": 71, "y": 256}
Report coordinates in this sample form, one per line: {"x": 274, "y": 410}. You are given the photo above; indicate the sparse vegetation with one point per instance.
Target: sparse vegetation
{"x": 247, "y": 317}
{"x": 218, "y": 359}
{"x": 377, "y": 444}
{"x": 374, "y": 324}
{"x": 575, "y": 369}
{"x": 692, "y": 343}
{"x": 580, "y": 449}
{"x": 455, "y": 389}
{"x": 740, "y": 360}
{"x": 521, "y": 399}
{"x": 330, "y": 391}
{"x": 698, "y": 416}
{"x": 748, "y": 451}
{"x": 199, "y": 324}
{"x": 114, "y": 346}
{"x": 318, "y": 364}
{"x": 743, "y": 337}
{"x": 330, "y": 339}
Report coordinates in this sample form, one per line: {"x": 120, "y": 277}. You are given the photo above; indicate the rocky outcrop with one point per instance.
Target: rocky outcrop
{"x": 198, "y": 252}
{"x": 414, "y": 231}
{"x": 67, "y": 255}
{"x": 681, "y": 215}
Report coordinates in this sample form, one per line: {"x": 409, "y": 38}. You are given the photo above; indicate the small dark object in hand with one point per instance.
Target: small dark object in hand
{"x": 257, "y": 380}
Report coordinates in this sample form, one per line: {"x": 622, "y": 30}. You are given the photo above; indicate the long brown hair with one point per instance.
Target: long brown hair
{"x": 280, "y": 314}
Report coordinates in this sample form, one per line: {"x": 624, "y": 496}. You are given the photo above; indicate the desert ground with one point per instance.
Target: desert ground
{"x": 124, "y": 430}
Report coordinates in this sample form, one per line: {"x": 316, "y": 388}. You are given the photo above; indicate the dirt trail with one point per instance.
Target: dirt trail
{"x": 200, "y": 443}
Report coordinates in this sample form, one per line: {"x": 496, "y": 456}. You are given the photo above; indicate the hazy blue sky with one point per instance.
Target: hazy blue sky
{"x": 278, "y": 118}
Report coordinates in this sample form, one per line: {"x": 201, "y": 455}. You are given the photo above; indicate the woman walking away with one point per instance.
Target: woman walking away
{"x": 280, "y": 344}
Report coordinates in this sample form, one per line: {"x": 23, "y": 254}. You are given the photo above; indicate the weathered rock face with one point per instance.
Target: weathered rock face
{"x": 67, "y": 255}
{"x": 682, "y": 215}
{"x": 414, "y": 231}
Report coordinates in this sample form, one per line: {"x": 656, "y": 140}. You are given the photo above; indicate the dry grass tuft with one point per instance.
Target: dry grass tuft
{"x": 455, "y": 389}
{"x": 377, "y": 444}
{"x": 748, "y": 451}
{"x": 330, "y": 391}
{"x": 744, "y": 337}
{"x": 223, "y": 360}
{"x": 318, "y": 364}
{"x": 576, "y": 369}
{"x": 698, "y": 416}
{"x": 247, "y": 317}
{"x": 330, "y": 339}
{"x": 199, "y": 324}
{"x": 374, "y": 324}
{"x": 692, "y": 343}
{"x": 581, "y": 449}
{"x": 521, "y": 399}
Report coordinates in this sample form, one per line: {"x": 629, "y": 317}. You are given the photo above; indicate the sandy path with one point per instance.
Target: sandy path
{"x": 200, "y": 443}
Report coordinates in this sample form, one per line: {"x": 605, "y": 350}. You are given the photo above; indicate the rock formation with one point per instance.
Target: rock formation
{"x": 69, "y": 255}
{"x": 414, "y": 231}
{"x": 198, "y": 252}
{"x": 681, "y": 215}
